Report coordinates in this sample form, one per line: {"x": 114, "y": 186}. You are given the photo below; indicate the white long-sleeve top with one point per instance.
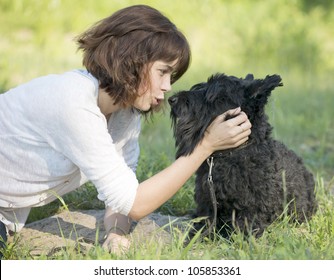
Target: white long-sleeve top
{"x": 54, "y": 138}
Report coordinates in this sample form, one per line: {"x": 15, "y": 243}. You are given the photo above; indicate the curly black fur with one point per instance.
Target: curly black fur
{"x": 255, "y": 183}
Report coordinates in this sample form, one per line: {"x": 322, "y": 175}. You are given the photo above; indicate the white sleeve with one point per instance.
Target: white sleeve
{"x": 80, "y": 133}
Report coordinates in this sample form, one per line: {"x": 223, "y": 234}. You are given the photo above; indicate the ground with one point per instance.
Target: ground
{"x": 82, "y": 228}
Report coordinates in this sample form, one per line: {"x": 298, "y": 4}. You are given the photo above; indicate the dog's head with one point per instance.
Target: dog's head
{"x": 193, "y": 110}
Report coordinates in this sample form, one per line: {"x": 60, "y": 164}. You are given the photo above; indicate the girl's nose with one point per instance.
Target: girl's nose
{"x": 167, "y": 86}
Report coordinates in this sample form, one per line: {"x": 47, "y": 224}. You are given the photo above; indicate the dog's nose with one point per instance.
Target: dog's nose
{"x": 172, "y": 100}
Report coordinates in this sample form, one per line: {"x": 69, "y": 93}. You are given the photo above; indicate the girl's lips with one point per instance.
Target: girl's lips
{"x": 157, "y": 101}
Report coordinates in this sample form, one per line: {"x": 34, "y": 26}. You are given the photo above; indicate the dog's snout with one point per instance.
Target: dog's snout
{"x": 172, "y": 100}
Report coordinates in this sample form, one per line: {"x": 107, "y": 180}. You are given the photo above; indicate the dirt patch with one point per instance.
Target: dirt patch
{"x": 85, "y": 228}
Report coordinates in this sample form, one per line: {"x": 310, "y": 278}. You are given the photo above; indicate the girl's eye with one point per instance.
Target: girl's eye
{"x": 162, "y": 71}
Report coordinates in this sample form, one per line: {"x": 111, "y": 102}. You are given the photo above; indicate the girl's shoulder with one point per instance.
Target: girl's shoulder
{"x": 80, "y": 81}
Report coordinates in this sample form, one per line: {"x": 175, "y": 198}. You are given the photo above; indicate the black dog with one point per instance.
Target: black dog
{"x": 254, "y": 183}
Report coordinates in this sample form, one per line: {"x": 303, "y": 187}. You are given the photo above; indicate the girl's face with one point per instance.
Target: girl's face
{"x": 152, "y": 92}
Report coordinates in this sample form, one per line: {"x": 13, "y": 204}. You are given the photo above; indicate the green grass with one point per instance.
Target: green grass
{"x": 283, "y": 240}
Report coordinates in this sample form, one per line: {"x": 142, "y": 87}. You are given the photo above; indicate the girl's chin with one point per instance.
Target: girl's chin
{"x": 144, "y": 108}
{"x": 154, "y": 106}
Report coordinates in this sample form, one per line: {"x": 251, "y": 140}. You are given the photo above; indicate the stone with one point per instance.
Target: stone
{"x": 84, "y": 229}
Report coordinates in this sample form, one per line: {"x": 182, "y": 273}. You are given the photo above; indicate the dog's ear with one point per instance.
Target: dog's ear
{"x": 257, "y": 92}
{"x": 261, "y": 88}
{"x": 211, "y": 93}
{"x": 214, "y": 86}
{"x": 249, "y": 77}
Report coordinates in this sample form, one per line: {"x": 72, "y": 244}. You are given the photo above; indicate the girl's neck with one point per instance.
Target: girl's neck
{"x": 106, "y": 104}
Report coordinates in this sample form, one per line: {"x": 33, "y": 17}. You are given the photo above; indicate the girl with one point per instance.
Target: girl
{"x": 59, "y": 131}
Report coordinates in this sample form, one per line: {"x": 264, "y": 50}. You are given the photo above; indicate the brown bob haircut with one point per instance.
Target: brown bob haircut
{"x": 117, "y": 49}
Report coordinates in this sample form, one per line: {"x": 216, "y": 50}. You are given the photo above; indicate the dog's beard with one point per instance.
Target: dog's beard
{"x": 188, "y": 133}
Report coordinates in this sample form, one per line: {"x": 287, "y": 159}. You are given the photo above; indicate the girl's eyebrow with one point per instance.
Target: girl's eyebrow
{"x": 169, "y": 68}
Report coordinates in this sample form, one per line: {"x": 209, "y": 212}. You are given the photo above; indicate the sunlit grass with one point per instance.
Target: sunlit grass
{"x": 282, "y": 240}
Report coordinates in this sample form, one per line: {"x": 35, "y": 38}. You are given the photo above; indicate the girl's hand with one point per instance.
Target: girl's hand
{"x": 116, "y": 243}
{"x": 225, "y": 134}
{"x": 117, "y": 227}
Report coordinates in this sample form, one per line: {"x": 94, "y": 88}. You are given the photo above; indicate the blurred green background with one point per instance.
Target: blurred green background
{"x": 294, "y": 38}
